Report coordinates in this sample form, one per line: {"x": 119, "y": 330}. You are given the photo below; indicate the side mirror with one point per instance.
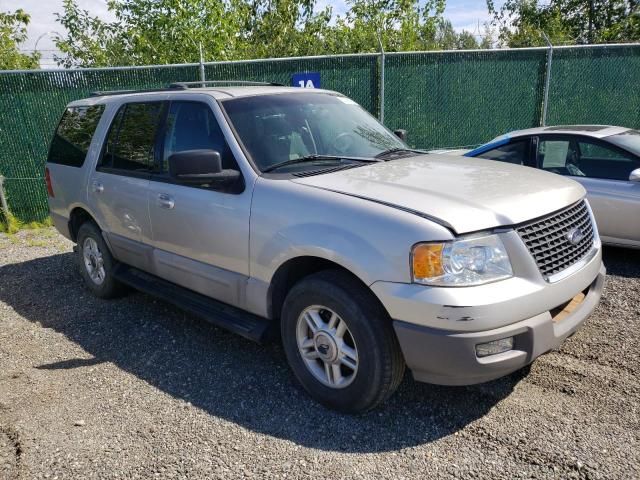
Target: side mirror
{"x": 200, "y": 167}
{"x": 634, "y": 176}
{"x": 401, "y": 134}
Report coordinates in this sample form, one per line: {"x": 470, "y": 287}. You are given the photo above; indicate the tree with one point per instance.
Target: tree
{"x": 278, "y": 28}
{"x": 400, "y": 25}
{"x": 148, "y": 32}
{"x": 521, "y": 23}
{"x": 171, "y": 31}
{"x": 466, "y": 41}
{"x": 13, "y": 33}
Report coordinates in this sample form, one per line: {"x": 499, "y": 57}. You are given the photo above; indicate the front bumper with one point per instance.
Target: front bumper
{"x": 449, "y": 358}
{"x": 439, "y": 328}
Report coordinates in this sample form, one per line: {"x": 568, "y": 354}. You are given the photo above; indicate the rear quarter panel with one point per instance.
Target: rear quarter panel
{"x": 70, "y": 183}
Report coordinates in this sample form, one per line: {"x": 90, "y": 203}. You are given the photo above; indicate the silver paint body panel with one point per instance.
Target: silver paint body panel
{"x": 365, "y": 219}
{"x": 616, "y": 206}
{"x": 468, "y": 194}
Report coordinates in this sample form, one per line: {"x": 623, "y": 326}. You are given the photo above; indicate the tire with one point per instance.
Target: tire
{"x": 90, "y": 241}
{"x": 335, "y": 298}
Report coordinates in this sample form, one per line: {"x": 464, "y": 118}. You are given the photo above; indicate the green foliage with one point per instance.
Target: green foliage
{"x": 522, "y": 22}
{"x": 13, "y": 33}
{"x": 9, "y": 224}
{"x": 171, "y": 31}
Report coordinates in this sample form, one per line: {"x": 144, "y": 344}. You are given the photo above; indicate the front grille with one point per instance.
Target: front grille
{"x": 548, "y": 239}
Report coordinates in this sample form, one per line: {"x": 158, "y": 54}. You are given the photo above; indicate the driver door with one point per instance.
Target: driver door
{"x": 200, "y": 234}
{"x": 604, "y": 171}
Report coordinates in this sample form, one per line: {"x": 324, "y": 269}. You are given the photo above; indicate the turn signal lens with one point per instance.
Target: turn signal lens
{"x": 427, "y": 260}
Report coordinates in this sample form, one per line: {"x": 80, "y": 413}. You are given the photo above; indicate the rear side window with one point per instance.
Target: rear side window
{"x": 73, "y": 136}
{"x": 130, "y": 145}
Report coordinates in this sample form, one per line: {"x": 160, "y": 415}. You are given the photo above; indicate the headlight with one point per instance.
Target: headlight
{"x": 461, "y": 263}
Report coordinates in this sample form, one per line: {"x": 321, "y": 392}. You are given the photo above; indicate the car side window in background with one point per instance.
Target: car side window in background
{"x": 136, "y": 139}
{"x": 514, "y": 152}
{"x": 73, "y": 136}
{"x": 559, "y": 156}
{"x": 192, "y": 126}
{"x": 600, "y": 161}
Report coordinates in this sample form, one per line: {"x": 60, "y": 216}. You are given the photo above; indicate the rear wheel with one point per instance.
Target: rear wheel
{"x": 340, "y": 343}
{"x": 96, "y": 263}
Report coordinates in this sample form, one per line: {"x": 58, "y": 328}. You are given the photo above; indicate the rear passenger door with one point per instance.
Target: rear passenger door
{"x": 200, "y": 233}
{"x": 119, "y": 185}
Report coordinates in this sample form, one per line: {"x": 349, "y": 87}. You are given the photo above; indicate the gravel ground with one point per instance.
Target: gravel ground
{"x": 134, "y": 388}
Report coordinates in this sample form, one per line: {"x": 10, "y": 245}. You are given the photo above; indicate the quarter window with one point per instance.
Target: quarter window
{"x": 73, "y": 136}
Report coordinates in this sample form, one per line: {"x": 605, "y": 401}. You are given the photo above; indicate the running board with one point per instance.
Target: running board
{"x": 220, "y": 314}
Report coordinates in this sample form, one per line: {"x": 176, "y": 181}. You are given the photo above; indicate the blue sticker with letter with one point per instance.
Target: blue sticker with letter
{"x": 306, "y": 80}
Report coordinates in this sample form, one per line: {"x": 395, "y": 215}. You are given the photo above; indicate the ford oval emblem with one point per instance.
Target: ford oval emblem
{"x": 323, "y": 348}
{"x": 574, "y": 236}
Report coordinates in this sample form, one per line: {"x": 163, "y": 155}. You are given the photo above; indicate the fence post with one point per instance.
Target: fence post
{"x": 547, "y": 78}
{"x": 381, "y": 80}
{"x": 4, "y": 208}
{"x": 202, "y": 76}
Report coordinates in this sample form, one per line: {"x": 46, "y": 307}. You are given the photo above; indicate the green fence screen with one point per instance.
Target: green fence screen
{"x": 595, "y": 85}
{"x": 444, "y": 99}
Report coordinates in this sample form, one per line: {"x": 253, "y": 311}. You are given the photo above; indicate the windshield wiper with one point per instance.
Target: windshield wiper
{"x": 396, "y": 151}
{"x": 315, "y": 158}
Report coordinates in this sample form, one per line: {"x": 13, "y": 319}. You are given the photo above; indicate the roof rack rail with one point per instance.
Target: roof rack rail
{"x": 185, "y": 85}
{"x": 173, "y": 86}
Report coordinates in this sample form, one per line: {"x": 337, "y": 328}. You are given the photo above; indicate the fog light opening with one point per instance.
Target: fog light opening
{"x": 494, "y": 347}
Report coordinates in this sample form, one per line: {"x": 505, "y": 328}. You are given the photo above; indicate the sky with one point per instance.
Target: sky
{"x": 464, "y": 14}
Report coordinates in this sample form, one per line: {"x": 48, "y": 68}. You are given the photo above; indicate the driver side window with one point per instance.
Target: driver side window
{"x": 192, "y": 126}
{"x": 559, "y": 156}
{"x": 583, "y": 158}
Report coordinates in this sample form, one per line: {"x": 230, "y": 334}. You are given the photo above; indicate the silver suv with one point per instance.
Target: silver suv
{"x": 267, "y": 208}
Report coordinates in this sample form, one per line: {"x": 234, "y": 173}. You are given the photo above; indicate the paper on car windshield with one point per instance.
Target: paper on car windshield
{"x": 555, "y": 154}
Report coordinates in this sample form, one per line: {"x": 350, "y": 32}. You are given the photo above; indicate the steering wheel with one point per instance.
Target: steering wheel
{"x": 343, "y": 142}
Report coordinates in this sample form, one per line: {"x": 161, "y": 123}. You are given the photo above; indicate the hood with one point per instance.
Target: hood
{"x": 464, "y": 194}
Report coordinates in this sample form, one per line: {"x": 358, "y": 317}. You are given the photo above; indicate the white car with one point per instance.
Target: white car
{"x": 604, "y": 159}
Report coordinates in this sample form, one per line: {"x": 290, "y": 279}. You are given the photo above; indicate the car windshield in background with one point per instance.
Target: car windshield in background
{"x": 282, "y": 127}
{"x": 629, "y": 140}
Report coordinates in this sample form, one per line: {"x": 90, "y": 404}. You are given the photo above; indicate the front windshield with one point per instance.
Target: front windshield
{"x": 281, "y": 127}
{"x": 629, "y": 140}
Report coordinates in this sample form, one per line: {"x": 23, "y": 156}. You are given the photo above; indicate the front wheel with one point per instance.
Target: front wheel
{"x": 340, "y": 343}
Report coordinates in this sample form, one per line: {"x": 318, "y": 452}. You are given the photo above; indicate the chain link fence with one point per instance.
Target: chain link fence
{"x": 444, "y": 99}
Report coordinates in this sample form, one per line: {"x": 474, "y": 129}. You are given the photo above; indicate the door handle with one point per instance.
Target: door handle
{"x": 97, "y": 187}
{"x": 165, "y": 201}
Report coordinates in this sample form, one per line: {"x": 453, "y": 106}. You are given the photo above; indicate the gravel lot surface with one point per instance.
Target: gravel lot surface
{"x": 134, "y": 388}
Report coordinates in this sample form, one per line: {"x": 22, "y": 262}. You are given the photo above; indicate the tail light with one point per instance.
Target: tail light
{"x": 47, "y": 180}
